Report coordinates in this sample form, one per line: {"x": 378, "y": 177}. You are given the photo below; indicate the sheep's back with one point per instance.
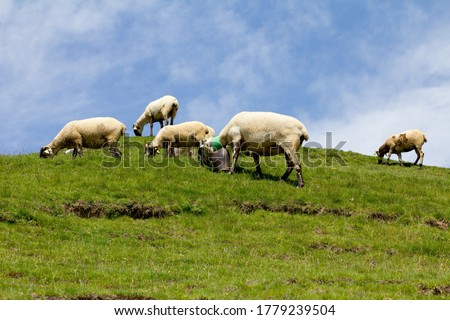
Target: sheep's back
{"x": 186, "y": 133}
{"x": 405, "y": 141}
{"x": 267, "y": 128}
{"x": 95, "y": 132}
{"x": 415, "y": 135}
{"x": 161, "y": 106}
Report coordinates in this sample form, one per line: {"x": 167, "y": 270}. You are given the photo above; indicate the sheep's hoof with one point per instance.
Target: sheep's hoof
{"x": 300, "y": 185}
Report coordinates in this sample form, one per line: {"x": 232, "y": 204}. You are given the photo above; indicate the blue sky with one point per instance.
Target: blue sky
{"x": 359, "y": 69}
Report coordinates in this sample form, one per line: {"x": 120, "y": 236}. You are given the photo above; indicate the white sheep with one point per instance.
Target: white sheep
{"x": 183, "y": 135}
{"x": 403, "y": 142}
{"x": 91, "y": 133}
{"x": 158, "y": 110}
{"x": 265, "y": 134}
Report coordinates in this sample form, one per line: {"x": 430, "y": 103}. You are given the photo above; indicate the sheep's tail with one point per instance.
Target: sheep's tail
{"x": 305, "y": 135}
{"x": 424, "y": 138}
{"x": 173, "y": 112}
{"x": 175, "y": 104}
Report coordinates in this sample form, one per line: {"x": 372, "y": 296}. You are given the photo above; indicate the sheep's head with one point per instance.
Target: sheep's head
{"x": 137, "y": 130}
{"x": 150, "y": 150}
{"x": 46, "y": 152}
{"x": 381, "y": 152}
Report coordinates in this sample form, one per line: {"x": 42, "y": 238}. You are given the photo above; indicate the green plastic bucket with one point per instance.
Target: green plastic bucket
{"x": 215, "y": 143}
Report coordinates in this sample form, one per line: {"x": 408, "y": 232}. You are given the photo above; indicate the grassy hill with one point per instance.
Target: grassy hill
{"x": 169, "y": 229}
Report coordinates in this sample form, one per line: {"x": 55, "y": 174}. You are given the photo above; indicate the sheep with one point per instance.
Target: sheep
{"x": 403, "y": 142}
{"x": 158, "y": 110}
{"x": 89, "y": 133}
{"x": 265, "y": 134}
{"x": 186, "y": 134}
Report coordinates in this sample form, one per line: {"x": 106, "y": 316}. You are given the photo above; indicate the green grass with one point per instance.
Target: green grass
{"x": 170, "y": 229}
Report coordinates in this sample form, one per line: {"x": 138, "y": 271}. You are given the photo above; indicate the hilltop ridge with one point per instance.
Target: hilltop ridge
{"x": 170, "y": 228}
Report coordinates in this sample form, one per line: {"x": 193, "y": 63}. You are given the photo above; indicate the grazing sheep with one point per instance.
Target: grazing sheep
{"x": 186, "y": 134}
{"x": 265, "y": 134}
{"x": 403, "y": 142}
{"x": 89, "y": 133}
{"x": 158, "y": 110}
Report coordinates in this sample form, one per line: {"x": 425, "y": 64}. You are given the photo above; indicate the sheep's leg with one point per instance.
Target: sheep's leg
{"x": 290, "y": 167}
{"x": 78, "y": 150}
{"x": 114, "y": 151}
{"x": 388, "y": 156}
{"x": 298, "y": 169}
{"x": 166, "y": 120}
{"x": 421, "y": 158}
{"x": 258, "y": 167}
{"x": 236, "y": 150}
{"x": 171, "y": 149}
{"x": 420, "y": 155}
{"x": 162, "y": 124}
{"x": 171, "y": 120}
{"x": 151, "y": 128}
{"x": 294, "y": 163}
{"x": 399, "y": 155}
